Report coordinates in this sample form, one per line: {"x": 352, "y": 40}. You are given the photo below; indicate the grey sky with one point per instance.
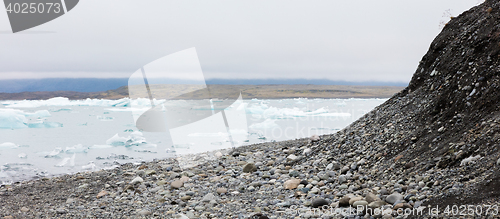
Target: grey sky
{"x": 338, "y": 40}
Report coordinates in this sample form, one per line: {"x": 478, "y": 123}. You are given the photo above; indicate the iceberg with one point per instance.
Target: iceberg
{"x": 8, "y": 145}
{"x": 53, "y": 153}
{"x": 12, "y": 119}
{"x": 116, "y": 140}
{"x": 18, "y": 119}
{"x": 65, "y": 102}
{"x": 134, "y": 139}
{"x": 79, "y": 148}
{"x": 65, "y": 161}
{"x": 45, "y": 124}
{"x": 266, "y": 124}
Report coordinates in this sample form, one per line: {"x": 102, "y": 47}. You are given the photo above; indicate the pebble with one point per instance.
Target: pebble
{"x": 291, "y": 157}
{"x": 393, "y": 198}
{"x": 221, "y": 190}
{"x": 376, "y": 204}
{"x": 307, "y": 151}
{"x": 314, "y": 138}
{"x": 318, "y": 202}
{"x": 177, "y": 184}
{"x": 249, "y": 168}
{"x": 291, "y": 183}
{"x": 137, "y": 180}
{"x": 370, "y": 197}
{"x": 342, "y": 179}
{"x": 208, "y": 197}
{"x": 344, "y": 202}
{"x": 144, "y": 212}
{"x": 359, "y": 203}
{"x": 186, "y": 198}
{"x": 101, "y": 194}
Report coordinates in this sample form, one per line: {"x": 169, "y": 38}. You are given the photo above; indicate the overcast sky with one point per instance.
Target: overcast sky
{"x": 360, "y": 40}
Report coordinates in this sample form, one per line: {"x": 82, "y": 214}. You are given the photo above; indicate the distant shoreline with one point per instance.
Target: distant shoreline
{"x": 222, "y": 92}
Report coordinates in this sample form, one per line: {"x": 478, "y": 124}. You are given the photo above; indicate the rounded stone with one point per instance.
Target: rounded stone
{"x": 318, "y": 202}
{"x": 249, "y": 168}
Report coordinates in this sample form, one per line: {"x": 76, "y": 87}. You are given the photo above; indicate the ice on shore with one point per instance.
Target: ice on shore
{"x": 470, "y": 159}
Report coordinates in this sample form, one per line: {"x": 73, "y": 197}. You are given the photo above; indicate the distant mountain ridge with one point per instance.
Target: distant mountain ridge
{"x": 104, "y": 84}
{"x": 222, "y": 92}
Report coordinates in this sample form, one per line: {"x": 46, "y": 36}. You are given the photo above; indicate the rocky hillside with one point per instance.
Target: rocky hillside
{"x": 445, "y": 126}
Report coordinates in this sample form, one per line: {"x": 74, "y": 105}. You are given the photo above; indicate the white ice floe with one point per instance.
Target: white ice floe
{"x": 18, "y": 119}
{"x": 65, "y": 102}
{"x": 134, "y": 139}
{"x": 91, "y": 166}
{"x": 116, "y": 140}
{"x": 53, "y": 153}
{"x": 8, "y": 145}
{"x": 100, "y": 146}
{"x": 266, "y": 124}
{"x": 79, "y": 148}
{"x": 66, "y": 160}
{"x": 264, "y": 111}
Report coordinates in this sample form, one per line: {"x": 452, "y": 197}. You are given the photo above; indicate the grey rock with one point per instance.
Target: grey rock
{"x": 144, "y": 212}
{"x": 342, "y": 179}
{"x": 314, "y": 138}
{"x": 393, "y": 198}
{"x": 376, "y": 204}
{"x": 360, "y": 203}
{"x": 318, "y": 202}
{"x": 344, "y": 202}
{"x": 249, "y": 168}
{"x": 370, "y": 197}
{"x": 136, "y": 180}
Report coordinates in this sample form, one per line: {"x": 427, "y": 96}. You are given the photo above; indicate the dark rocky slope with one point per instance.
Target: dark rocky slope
{"x": 450, "y": 111}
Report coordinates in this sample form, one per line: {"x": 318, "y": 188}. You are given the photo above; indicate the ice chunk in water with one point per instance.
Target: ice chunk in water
{"x": 22, "y": 155}
{"x": 66, "y": 160}
{"x": 16, "y": 119}
{"x": 12, "y": 119}
{"x": 266, "y": 124}
{"x": 91, "y": 166}
{"x": 8, "y": 145}
{"x": 79, "y": 148}
{"x": 100, "y": 146}
{"x": 45, "y": 124}
{"x": 116, "y": 140}
{"x": 53, "y": 153}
